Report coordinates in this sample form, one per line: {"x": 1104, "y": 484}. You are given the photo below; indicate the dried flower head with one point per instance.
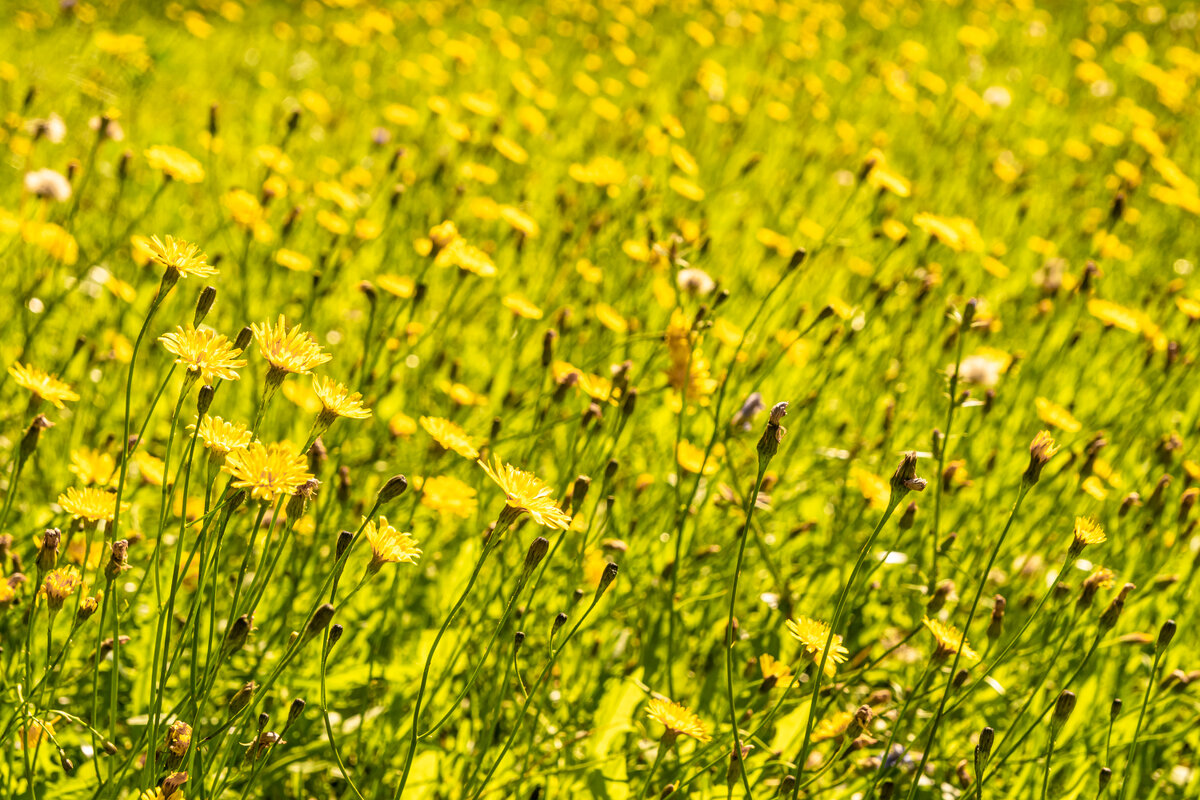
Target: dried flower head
{"x": 60, "y": 584}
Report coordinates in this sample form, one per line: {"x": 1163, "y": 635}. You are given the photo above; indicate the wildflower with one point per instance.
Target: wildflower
{"x": 1041, "y": 450}
{"x": 60, "y": 584}
{"x": 1087, "y": 531}
{"x": 450, "y": 436}
{"x": 772, "y": 435}
{"x": 179, "y": 738}
{"x": 267, "y": 472}
{"x": 287, "y": 351}
{"x": 814, "y": 637}
{"x": 388, "y": 545}
{"x": 175, "y": 164}
{"x": 1052, "y": 413}
{"x": 47, "y": 183}
{"x": 905, "y": 479}
{"x": 89, "y": 503}
{"x": 832, "y": 727}
{"x": 525, "y": 493}
{"x": 337, "y": 401}
{"x": 521, "y": 305}
{"x": 221, "y": 437}
{"x": 695, "y": 281}
{"x": 448, "y": 495}
{"x": 773, "y": 671}
{"x": 949, "y": 640}
{"x": 184, "y": 258}
{"x": 692, "y": 458}
{"x": 677, "y": 719}
{"x": 205, "y": 353}
{"x": 43, "y": 385}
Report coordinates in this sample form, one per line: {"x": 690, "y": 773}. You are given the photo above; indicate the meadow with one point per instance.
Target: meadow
{"x": 617, "y": 399}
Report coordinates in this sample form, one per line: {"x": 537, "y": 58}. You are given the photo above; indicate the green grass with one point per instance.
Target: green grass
{"x": 872, "y": 193}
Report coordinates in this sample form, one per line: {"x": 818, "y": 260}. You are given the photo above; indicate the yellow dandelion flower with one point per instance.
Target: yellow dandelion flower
{"x": 525, "y": 492}
{"x": 92, "y": 466}
{"x": 691, "y": 458}
{"x": 949, "y": 640}
{"x": 450, "y": 436}
{"x": 388, "y": 545}
{"x": 89, "y": 503}
{"x": 183, "y": 257}
{"x": 297, "y": 262}
{"x": 1052, "y": 413}
{"x": 268, "y": 472}
{"x": 400, "y": 286}
{"x": 677, "y": 719}
{"x": 175, "y": 163}
{"x": 1115, "y": 315}
{"x": 286, "y": 350}
{"x": 448, "y": 495}
{"x": 1087, "y": 531}
{"x": 60, "y": 584}
{"x": 772, "y": 668}
{"x": 521, "y": 305}
{"x": 205, "y": 353}
{"x": 338, "y": 401}
{"x": 814, "y": 636}
{"x": 44, "y": 385}
{"x": 220, "y": 437}
{"x": 832, "y": 727}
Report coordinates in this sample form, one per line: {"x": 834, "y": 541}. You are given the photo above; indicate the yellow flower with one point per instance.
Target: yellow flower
{"x": 183, "y": 257}
{"x": 832, "y": 727}
{"x": 949, "y": 639}
{"x": 338, "y": 401}
{"x": 206, "y": 353}
{"x": 94, "y": 505}
{"x": 467, "y": 258}
{"x": 1052, "y": 413}
{"x": 60, "y": 584}
{"x": 1087, "y": 531}
{"x": 450, "y": 436}
{"x": 448, "y": 495}
{"x": 814, "y": 636}
{"x": 1041, "y": 450}
{"x": 46, "y": 386}
{"x": 388, "y": 545}
{"x": 773, "y": 668}
{"x": 268, "y": 472}
{"x": 174, "y": 163}
{"x": 400, "y": 286}
{"x": 677, "y": 719}
{"x": 1115, "y": 315}
{"x": 221, "y": 437}
{"x": 691, "y": 457}
{"x": 287, "y": 350}
{"x": 525, "y": 492}
{"x": 521, "y": 305}
{"x": 297, "y": 262}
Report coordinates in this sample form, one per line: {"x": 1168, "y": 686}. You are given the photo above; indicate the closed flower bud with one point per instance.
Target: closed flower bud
{"x": 29, "y": 441}
{"x": 968, "y": 313}
{"x": 537, "y": 551}
{"x": 204, "y": 304}
{"x": 87, "y": 607}
{"x": 607, "y": 577}
{"x": 294, "y": 712}
{"x": 1165, "y": 634}
{"x": 798, "y": 256}
{"x": 559, "y": 621}
{"x": 395, "y": 486}
{"x": 610, "y": 469}
{"x": 244, "y": 337}
{"x": 335, "y": 633}
{"x": 1062, "y": 712}
{"x": 242, "y": 698}
{"x": 629, "y": 401}
{"x": 548, "y": 347}
{"x": 518, "y": 640}
{"x": 343, "y": 543}
{"x": 317, "y": 456}
{"x": 1105, "y": 777}
{"x": 996, "y": 626}
{"x": 1114, "y": 710}
{"x": 908, "y": 517}
{"x": 1108, "y": 620}
{"x": 579, "y": 492}
{"x": 320, "y": 619}
{"x": 204, "y": 400}
{"x": 236, "y": 637}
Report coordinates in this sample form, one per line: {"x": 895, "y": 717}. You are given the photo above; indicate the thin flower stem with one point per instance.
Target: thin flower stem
{"x": 1131, "y": 762}
{"x": 937, "y": 717}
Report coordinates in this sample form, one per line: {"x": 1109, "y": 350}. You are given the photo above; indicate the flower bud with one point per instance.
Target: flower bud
{"x": 395, "y": 486}
{"x": 1165, "y": 634}
{"x": 1041, "y": 450}
{"x": 1062, "y": 712}
{"x": 320, "y": 619}
{"x": 29, "y": 441}
{"x": 607, "y": 577}
{"x": 537, "y": 551}
{"x": 242, "y": 698}
{"x": 1108, "y": 620}
{"x": 48, "y": 553}
{"x": 295, "y": 711}
{"x": 904, "y": 479}
{"x": 768, "y": 444}
{"x": 204, "y": 304}
{"x": 236, "y": 637}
